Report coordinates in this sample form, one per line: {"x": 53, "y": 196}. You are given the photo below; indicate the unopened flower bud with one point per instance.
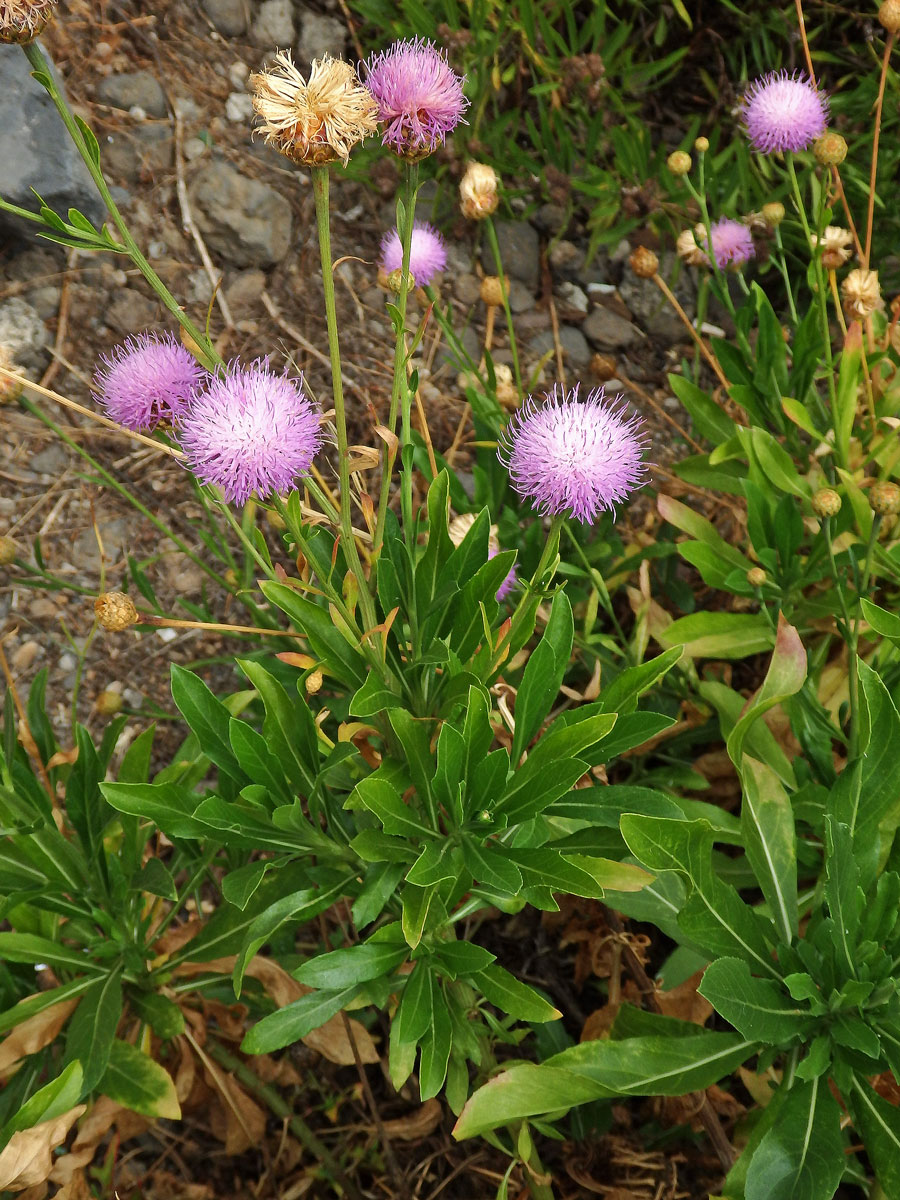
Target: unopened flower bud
{"x": 492, "y": 290}
{"x": 109, "y": 702}
{"x": 232, "y": 578}
{"x": 643, "y": 262}
{"x": 830, "y": 149}
{"x": 115, "y": 611}
{"x": 506, "y": 391}
{"x": 478, "y": 191}
{"x": 21, "y": 21}
{"x": 679, "y": 162}
{"x": 773, "y": 213}
{"x": 313, "y": 682}
{"x": 603, "y": 367}
{"x": 861, "y": 294}
{"x": 395, "y": 281}
{"x": 884, "y": 498}
{"x": 826, "y": 503}
{"x": 701, "y": 144}
{"x": 7, "y": 550}
{"x": 889, "y": 15}
{"x": 756, "y": 577}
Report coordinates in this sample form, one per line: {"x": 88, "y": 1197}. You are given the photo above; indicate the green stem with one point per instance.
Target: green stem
{"x": 320, "y": 178}
{"x": 504, "y": 292}
{"x": 600, "y": 585}
{"x": 785, "y": 275}
{"x": 853, "y": 675}
{"x": 400, "y": 398}
{"x": 207, "y": 353}
{"x": 298, "y": 1127}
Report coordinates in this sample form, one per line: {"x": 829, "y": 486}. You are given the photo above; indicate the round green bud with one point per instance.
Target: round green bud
{"x": 679, "y": 162}
{"x": 884, "y": 499}
{"x": 826, "y": 503}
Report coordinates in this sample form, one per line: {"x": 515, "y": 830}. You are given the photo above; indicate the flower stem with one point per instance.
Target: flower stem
{"x": 400, "y": 398}
{"x": 206, "y": 352}
{"x": 320, "y": 178}
{"x": 504, "y": 292}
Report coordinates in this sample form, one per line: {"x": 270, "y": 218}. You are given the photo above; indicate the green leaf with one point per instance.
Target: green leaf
{"x": 293, "y": 1022}
{"x": 92, "y": 1029}
{"x": 436, "y": 1042}
{"x": 708, "y": 418}
{"x": 135, "y": 1081}
{"x": 879, "y": 1124}
{"x": 163, "y": 1015}
{"x": 720, "y": 634}
{"x": 374, "y": 697}
{"x": 802, "y": 1156}
{"x": 168, "y": 806}
{"x": 93, "y": 147}
{"x": 883, "y": 622}
{"x": 289, "y": 729}
{"x": 257, "y": 761}
{"x": 30, "y": 948}
{"x": 208, "y": 718}
{"x": 52, "y": 1100}
{"x": 784, "y": 678}
{"x": 843, "y": 894}
{"x": 622, "y": 695}
{"x": 239, "y": 886}
{"x": 325, "y": 639}
{"x": 462, "y": 958}
{"x": 757, "y": 1008}
{"x": 512, "y": 996}
{"x": 414, "y": 1013}
{"x": 491, "y": 867}
{"x": 155, "y": 878}
{"x": 382, "y": 800}
{"x": 416, "y": 903}
{"x": 355, "y": 964}
{"x": 525, "y": 1090}
{"x": 33, "y": 1005}
{"x": 536, "y": 785}
{"x": 543, "y": 674}
{"x": 767, "y": 822}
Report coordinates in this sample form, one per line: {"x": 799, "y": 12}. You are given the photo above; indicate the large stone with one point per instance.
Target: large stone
{"x": 245, "y": 221}
{"x": 23, "y": 334}
{"x": 320, "y": 34}
{"x": 650, "y": 307}
{"x": 136, "y": 89}
{"x": 131, "y": 311}
{"x": 273, "y": 28}
{"x": 520, "y": 251}
{"x": 36, "y": 151}
{"x": 606, "y": 330}
{"x": 228, "y": 16}
{"x": 576, "y": 351}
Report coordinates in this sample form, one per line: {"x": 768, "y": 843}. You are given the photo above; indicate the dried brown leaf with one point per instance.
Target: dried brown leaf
{"x": 34, "y": 1033}
{"x": 416, "y": 1125}
{"x": 26, "y": 1159}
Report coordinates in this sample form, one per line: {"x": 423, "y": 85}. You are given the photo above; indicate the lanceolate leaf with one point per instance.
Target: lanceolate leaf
{"x": 135, "y": 1080}
{"x": 879, "y": 1124}
{"x": 757, "y": 1008}
{"x": 92, "y": 1029}
{"x": 767, "y": 822}
{"x": 802, "y": 1155}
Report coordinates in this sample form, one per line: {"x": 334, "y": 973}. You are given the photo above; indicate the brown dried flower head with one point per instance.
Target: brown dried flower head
{"x": 773, "y": 213}
{"x": 826, "y": 503}
{"x": 830, "y": 149}
{"x": 861, "y": 294}
{"x": 643, "y": 262}
{"x": 460, "y": 526}
{"x": 478, "y": 191}
{"x": 889, "y": 15}
{"x": 835, "y": 243}
{"x": 756, "y": 577}
{"x": 21, "y": 21}
{"x": 115, "y": 611}
{"x": 884, "y": 498}
{"x": 314, "y": 121}
{"x": 679, "y": 162}
{"x": 491, "y": 290}
{"x": 9, "y": 388}
{"x": 506, "y": 391}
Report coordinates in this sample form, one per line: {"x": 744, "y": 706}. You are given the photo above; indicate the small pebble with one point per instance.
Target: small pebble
{"x": 194, "y": 148}
{"x": 68, "y": 662}
{"x": 239, "y": 107}
{"x": 25, "y": 656}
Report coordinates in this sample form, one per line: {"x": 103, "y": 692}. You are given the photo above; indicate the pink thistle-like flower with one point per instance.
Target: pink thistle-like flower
{"x": 149, "y": 379}
{"x": 732, "y": 243}
{"x": 427, "y": 253}
{"x": 251, "y": 432}
{"x": 784, "y": 112}
{"x": 420, "y": 98}
{"x": 580, "y": 457}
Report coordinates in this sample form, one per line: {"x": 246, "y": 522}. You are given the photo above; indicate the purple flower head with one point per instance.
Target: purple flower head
{"x": 251, "y": 432}
{"x": 420, "y": 98}
{"x": 509, "y": 583}
{"x": 427, "y": 253}
{"x": 149, "y": 379}
{"x": 580, "y": 457}
{"x": 732, "y": 243}
{"x": 784, "y": 112}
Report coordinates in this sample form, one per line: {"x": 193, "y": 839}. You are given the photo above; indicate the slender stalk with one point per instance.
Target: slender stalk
{"x": 785, "y": 275}
{"x": 689, "y": 325}
{"x": 873, "y": 171}
{"x": 320, "y": 178}
{"x": 504, "y": 292}
{"x": 853, "y": 674}
{"x": 205, "y": 349}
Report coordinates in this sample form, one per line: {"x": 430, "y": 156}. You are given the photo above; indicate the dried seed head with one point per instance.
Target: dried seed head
{"x": 109, "y": 702}
{"x": 21, "y": 21}
{"x": 507, "y": 393}
{"x": 9, "y": 388}
{"x": 835, "y": 243}
{"x": 115, "y": 611}
{"x": 773, "y": 213}
{"x": 889, "y": 15}
{"x": 826, "y": 503}
{"x": 830, "y": 149}
{"x": 688, "y": 249}
{"x": 679, "y": 162}
{"x": 7, "y": 551}
{"x": 313, "y": 682}
{"x": 756, "y": 577}
{"x": 603, "y": 367}
{"x": 492, "y": 290}
{"x": 460, "y": 526}
{"x": 861, "y": 294}
{"x": 478, "y": 191}
{"x": 701, "y": 145}
{"x": 884, "y": 498}
{"x": 643, "y": 262}
{"x": 314, "y": 121}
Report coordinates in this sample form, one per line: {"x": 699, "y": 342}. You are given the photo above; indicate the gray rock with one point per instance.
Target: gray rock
{"x": 606, "y": 330}
{"x": 320, "y": 34}
{"x": 472, "y": 343}
{"x": 520, "y": 298}
{"x": 245, "y": 221}
{"x": 134, "y": 154}
{"x": 550, "y": 218}
{"x": 566, "y": 259}
{"x": 274, "y": 25}
{"x": 229, "y": 17}
{"x": 30, "y": 267}
{"x": 467, "y": 288}
{"x": 244, "y": 291}
{"x": 52, "y": 460}
{"x": 131, "y": 311}
{"x": 36, "y": 151}
{"x": 576, "y": 351}
{"x": 195, "y": 148}
{"x": 519, "y": 250}
{"x": 239, "y": 108}
{"x": 650, "y": 307}
{"x": 23, "y": 333}
{"x": 572, "y": 300}
{"x": 136, "y": 89}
